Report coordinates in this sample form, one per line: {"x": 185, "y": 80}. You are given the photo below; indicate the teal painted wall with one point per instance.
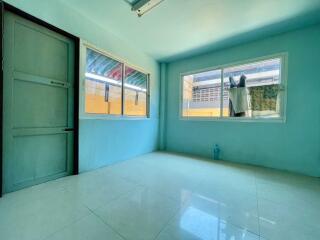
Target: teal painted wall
{"x": 104, "y": 142}
{"x": 293, "y": 145}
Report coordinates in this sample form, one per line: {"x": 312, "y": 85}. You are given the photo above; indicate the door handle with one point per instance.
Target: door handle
{"x": 58, "y": 83}
{"x": 69, "y": 129}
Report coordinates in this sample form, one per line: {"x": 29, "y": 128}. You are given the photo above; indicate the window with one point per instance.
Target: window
{"x": 249, "y": 91}
{"x": 103, "y": 84}
{"x": 201, "y": 94}
{"x": 112, "y": 88}
{"x": 135, "y": 93}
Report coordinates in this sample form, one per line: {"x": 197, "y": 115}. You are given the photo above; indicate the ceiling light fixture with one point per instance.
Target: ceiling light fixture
{"x": 143, "y": 6}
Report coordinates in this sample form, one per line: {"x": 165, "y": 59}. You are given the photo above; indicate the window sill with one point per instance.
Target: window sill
{"x": 235, "y": 119}
{"x": 112, "y": 117}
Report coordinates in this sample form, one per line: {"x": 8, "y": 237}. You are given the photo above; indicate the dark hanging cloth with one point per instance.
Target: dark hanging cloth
{"x": 233, "y": 84}
{"x": 242, "y": 82}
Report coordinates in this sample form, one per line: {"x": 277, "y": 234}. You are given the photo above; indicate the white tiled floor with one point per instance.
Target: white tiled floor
{"x": 164, "y": 196}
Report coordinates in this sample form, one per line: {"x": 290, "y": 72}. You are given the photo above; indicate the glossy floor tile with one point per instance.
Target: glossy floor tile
{"x": 140, "y": 215}
{"x": 89, "y": 227}
{"x": 163, "y": 196}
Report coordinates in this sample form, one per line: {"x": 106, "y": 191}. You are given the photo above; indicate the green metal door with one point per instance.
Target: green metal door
{"x": 38, "y": 104}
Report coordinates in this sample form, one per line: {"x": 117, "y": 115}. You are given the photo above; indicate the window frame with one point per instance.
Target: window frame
{"x": 83, "y": 60}
{"x": 283, "y": 56}
{"x": 147, "y": 93}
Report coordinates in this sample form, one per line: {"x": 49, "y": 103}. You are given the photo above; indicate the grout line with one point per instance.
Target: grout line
{"x": 168, "y": 222}
{"x": 102, "y": 220}
{"x": 256, "y": 186}
{"x": 132, "y": 181}
{"x": 67, "y": 225}
{"x": 113, "y": 199}
{"x": 173, "y": 199}
{"x": 91, "y": 211}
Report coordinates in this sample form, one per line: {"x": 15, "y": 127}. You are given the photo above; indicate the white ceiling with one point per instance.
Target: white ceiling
{"x": 178, "y": 28}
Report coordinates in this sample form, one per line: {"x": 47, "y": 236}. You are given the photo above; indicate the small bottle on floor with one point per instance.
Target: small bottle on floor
{"x": 216, "y": 152}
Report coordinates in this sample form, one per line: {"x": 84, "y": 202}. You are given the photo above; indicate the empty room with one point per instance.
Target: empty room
{"x": 160, "y": 120}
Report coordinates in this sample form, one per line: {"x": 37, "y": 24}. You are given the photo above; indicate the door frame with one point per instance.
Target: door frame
{"x": 7, "y": 7}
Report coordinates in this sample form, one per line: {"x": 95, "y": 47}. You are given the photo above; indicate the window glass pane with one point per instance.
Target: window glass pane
{"x": 103, "y": 84}
{"x": 201, "y": 94}
{"x": 135, "y": 92}
{"x": 253, "y": 90}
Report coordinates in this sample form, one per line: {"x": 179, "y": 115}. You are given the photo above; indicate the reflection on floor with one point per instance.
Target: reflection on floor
{"x": 166, "y": 197}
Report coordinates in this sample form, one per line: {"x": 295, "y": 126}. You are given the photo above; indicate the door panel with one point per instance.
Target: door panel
{"x": 38, "y": 104}
{"x": 55, "y": 163}
{"x": 44, "y": 164}
{"x": 29, "y": 102}
{"x": 39, "y": 52}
